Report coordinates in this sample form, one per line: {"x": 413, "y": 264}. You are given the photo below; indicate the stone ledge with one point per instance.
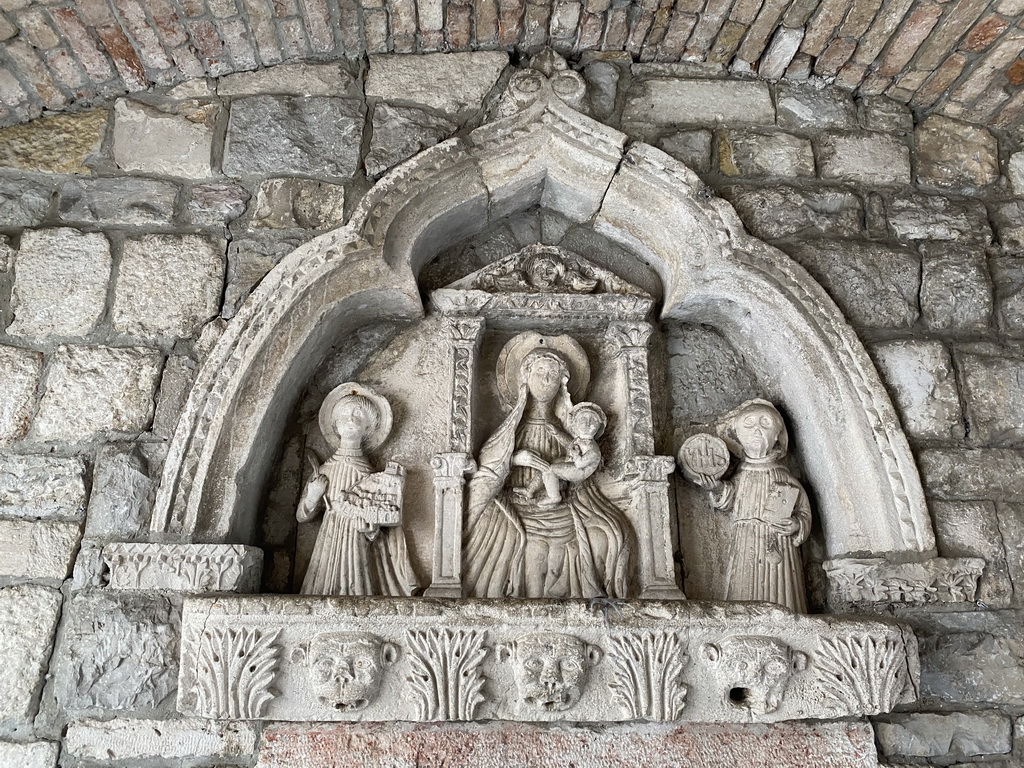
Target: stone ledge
{"x": 292, "y": 658}
{"x": 939, "y": 580}
{"x": 193, "y": 568}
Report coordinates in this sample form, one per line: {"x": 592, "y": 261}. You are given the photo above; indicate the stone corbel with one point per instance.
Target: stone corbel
{"x": 862, "y": 583}
{"x": 189, "y": 568}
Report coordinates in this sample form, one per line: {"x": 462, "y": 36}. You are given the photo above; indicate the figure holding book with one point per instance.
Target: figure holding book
{"x": 767, "y": 507}
{"x": 361, "y": 548}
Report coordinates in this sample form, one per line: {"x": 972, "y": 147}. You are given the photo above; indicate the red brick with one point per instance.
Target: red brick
{"x": 679, "y": 28}
{"x": 617, "y": 28}
{"x": 591, "y": 29}
{"x": 292, "y": 34}
{"x": 874, "y": 84}
{"x": 745, "y": 11}
{"x": 994, "y": 63}
{"x": 823, "y": 24}
{"x": 235, "y": 35}
{"x": 96, "y": 12}
{"x": 859, "y": 18}
{"x": 460, "y": 27}
{"x": 565, "y": 19}
{"x": 82, "y": 43}
{"x": 639, "y": 27}
{"x": 137, "y": 25}
{"x": 761, "y": 30}
{"x": 485, "y": 12}
{"x": 35, "y": 72}
{"x": 125, "y": 59}
{"x": 659, "y": 27}
{"x": 834, "y": 56}
{"x": 510, "y": 21}
{"x": 939, "y": 82}
{"x": 851, "y": 75}
{"x": 206, "y": 39}
{"x": 800, "y": 67}
{"x": 285, "y": 8}
{"x": 167, "y": 22}
{"x": 985, "y": 33}
{"x": 36, "y": 28}
{"x": 987, "y": 105}
{"x": 1012, "y": 111}
{"x": 187, "y": 62}
{"x": 728, "y": 40}
{"x": 707, "y": 29}
{"x": 535, "y": 24}
{"x": 66, "y": 68}
{"x": 265, "y": 36}
{"x": 799, "y": 12}
{"x": 1015, "y": 74}
{"x": 948, "y": 31}
{"x": 318, "y": 24}
{"x": 904, "y": 45}
{"x": 882, "y": 28}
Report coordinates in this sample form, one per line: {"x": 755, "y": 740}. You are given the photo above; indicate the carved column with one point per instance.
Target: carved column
{"x": 648, "y": 473}
{"x": 451, "y": 468}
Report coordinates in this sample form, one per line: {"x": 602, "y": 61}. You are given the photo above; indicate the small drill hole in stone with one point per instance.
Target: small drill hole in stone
{"x": 738, "y": 695}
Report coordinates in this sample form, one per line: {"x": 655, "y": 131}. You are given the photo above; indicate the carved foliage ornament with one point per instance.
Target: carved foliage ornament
{"x": 236, "y": 669}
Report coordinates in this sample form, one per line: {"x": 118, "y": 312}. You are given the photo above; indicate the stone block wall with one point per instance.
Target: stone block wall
{"x": 131, "y": 230}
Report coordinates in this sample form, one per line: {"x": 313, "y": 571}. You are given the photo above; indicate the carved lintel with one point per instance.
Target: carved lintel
{"x": 567, "y": 310}
{"x": 629, "y": 339}
{"x": 939, "y": 580}
{"x": 450, "y": 470}
{"x": 650, "y": 493}
{"x": 464, "y": 336}
{"x": 191, "y": 568}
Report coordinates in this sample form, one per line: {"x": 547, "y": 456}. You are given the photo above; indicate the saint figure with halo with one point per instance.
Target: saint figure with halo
{"x": 361, "y": 548}
{"x": 517, "y": 546}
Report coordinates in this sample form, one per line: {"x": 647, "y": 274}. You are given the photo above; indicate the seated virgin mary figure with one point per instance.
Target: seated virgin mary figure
{"x": 519, "y": 545}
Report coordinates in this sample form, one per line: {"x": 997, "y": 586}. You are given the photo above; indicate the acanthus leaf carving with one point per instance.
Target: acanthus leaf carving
{"x": 648, "y": 675}
{"x": 861, "y": 673}
{"x": 235, "y": 671}
{"x": 445, "y": 675}
{"x": 939, "y": 580}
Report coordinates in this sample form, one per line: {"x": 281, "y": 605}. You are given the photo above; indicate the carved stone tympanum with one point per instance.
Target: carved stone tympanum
{"x": 768, "y": 510}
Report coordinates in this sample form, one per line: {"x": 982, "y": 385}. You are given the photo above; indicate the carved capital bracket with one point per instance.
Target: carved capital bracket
{"x": 450, "y": 470}
{"x": 870, "y": 584}
{"x": 649, "y": 487}
{"x": 629, "y": 340}
{"x": 190, "y": 568}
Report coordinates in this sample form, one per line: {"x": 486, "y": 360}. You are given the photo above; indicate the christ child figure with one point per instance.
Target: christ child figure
{"x": 586, "y": 422}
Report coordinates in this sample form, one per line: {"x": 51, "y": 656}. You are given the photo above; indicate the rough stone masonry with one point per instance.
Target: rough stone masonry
{"x": 134, "y": 227}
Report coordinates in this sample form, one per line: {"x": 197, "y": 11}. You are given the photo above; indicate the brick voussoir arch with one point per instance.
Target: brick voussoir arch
{"x": 539, "y": 150}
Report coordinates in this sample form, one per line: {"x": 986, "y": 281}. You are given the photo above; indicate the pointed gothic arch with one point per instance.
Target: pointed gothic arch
{"x": 542, "y": 151}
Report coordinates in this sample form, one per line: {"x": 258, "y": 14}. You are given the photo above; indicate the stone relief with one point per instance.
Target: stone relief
{"x": 754, "y": 671}
{"x": 445, "y": 673}
{"x": 346, "y": 668}
{"x": 648, "y": 675}
{"x": 838, "y": 663}
{"x": 236, "y": 670}
{"x": 939, "y": 580}
{"x": 572, "y": 543}
{"x": 767, "y": 506}
{"x": 361, "y": 548}
{"x": 551, "y": 669}
{"x": 183, "y": 567}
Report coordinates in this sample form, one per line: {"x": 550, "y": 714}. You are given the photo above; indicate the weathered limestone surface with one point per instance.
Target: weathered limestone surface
{"x": 61, "y": 284}
{"x": 413, "y": 80}
{"x": 161, "y": 143}
{"x": 969, "y": 307}
{"x": 994, "y": 394}
{"x": 971, "y": 529}
{"x": 874, "y": 285}
{"x": 37, "y": 549}
{"x": 23, "y": 203}
{"x": 921, "y": 217}
{"x": 708, "y": 376}
{"x": 121, "y": 200}
{"x": 921, "y": 378}
{"x": 21, "y": 369}
{"x": 132, "y": 739}
{"x": 805, "y": 108}
{"x": 168, "y": 285}
{"x": 117, "y": 653}
{"x": 36, "y": 754}
{"x": 91, "y": 390}
{"x": 119, "y": 504}
{"x": 288, "y": 203}
{"x": 331, "y": 79}
{"x": 982, "y": 664}
{"x": 216, "y": 203}
{"x": 992, "y": 473}
{"x": 933, "y": 735}
{"x": 401, "y": 132}
{"x": 873, "y": 158}
{"x": 28, "y": 617}
{"x": 55, "y": 144}
{"x": 1008, "y": 280}
{"x": 692, "y": 148}
{"x": 751, "y": 154}
{"x": 314, "y": 135}
{"x": 249, "y": 260}
{"x": 41, "y": 486}
{"x": 783, "y": 211}
{"x": 954, "y": 154}
{"x": 826, "y": 745}
{"x": 1008, "y": 221}
{"x": 700, "y": 102}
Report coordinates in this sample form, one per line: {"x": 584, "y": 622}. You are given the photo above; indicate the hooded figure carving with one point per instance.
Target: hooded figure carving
{"x": 515, "y": 545}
